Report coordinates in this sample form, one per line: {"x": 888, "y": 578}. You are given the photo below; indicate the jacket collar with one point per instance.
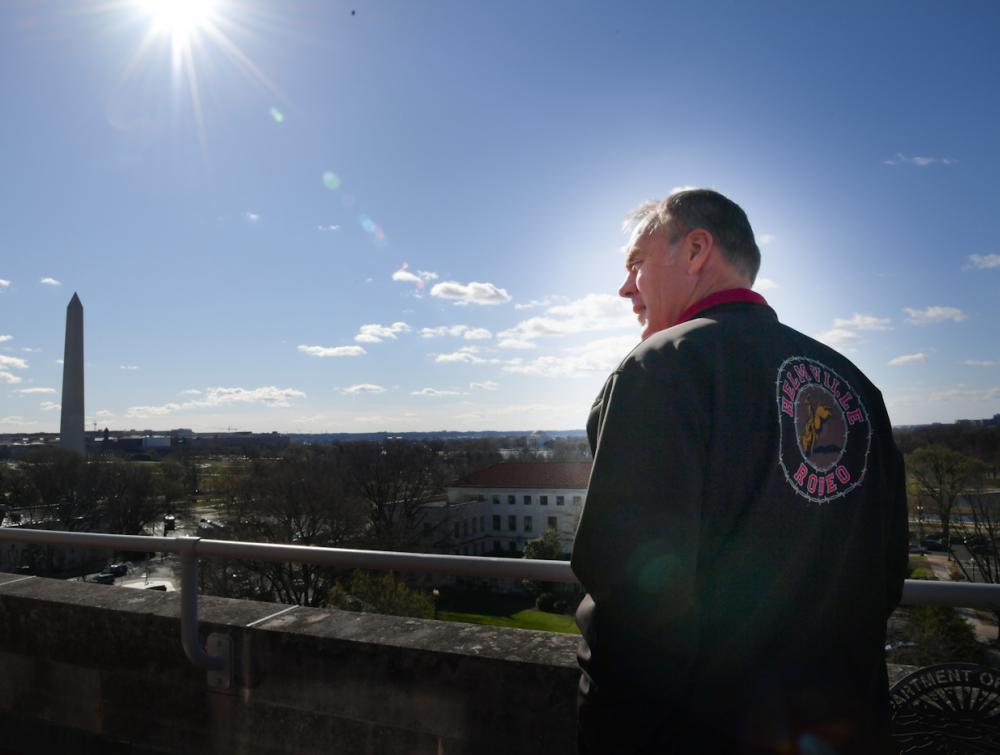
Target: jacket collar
{"x": 730, "y": 295}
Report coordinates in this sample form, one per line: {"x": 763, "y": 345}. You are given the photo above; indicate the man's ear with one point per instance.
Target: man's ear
{"x": 698, "y": 247}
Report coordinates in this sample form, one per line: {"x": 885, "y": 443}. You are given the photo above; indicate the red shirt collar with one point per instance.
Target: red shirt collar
{"x": 722, "y": 297}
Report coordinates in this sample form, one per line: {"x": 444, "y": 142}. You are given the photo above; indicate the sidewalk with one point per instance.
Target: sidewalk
{"x": 986, "y": 629}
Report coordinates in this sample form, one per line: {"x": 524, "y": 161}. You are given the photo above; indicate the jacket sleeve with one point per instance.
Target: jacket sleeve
{"x": 636, "y": 550}
{"x": 898, "y": 534}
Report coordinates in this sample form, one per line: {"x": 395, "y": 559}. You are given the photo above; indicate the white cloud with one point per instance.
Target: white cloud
{"x": 15, "y": 420}
{"x": 979, "y": 363}
{"x": 27, "y": 391}
{"x": 128, "y": 367}
{"x": 328, "y": 227}
{"x": 599, "y": 356}
{"x": 863, "y": 322}
{"x": 765, "y": 284}
{"x": 548, "y": 301}
{"x": 6, "y": 338}
{"x": 4, "y": 283}
{"x": 419, "y": 279}
{"x": 373, "y": 333}
{"x": 50, "y": 282}
{"x": 190, "y": 392}
{"x": 470, "y": 293}
{"x": 590, "y": 314}
{"x": 49, "y": 406}
{"x": 905, "y": 359}
{"x": 253, "y": 217}
{"x": 9, "y": 377}
{"x": 354, "y": 390}
{"x": 516, "y": 343}
{"x": 15, "y": 362}
{"x": 332, "y": 351}
{"x": 984, "y": 261}
{"x": 929, "y": 315}
{"x": 469, "y": 334}
{"x": 920, "y": 162}
{"x": 486, "y": 385}
{"x": 434, "y": 392}
{"x": 29, "y": 350}
{"x": 764, "y": 239}
{"x": 464, "y": 356}
{"x": 838, "y": 337}
{"x": 215, "y": 397}
{"x": 104, "y": 414}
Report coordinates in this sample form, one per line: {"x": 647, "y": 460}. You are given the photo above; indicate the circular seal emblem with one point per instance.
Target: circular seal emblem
{"x": 825, "y": 433}
{"x": 948, "y": 708}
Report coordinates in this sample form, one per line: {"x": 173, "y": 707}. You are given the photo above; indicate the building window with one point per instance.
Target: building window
{"x": 511, "y": 498}
{"x": 465, "y": 528}
{"x": 428, "y": 528}
{"x": 544, "y": 500}
{"x": 456, "y": 529}
{"x": 527, "y": 524}
{"x": 496, "y": 499}
{"x": 496, "y": 522}
{"x": 527, "y": 500}
{"x": 560, "y": 500}
{"x": 496, "y": 544}
{"x": 553, "y": 525}
{"x": 512, "y": 546}
{"x": 472, "y": 527}
{"x": 512, "y": 523}
{"x": 577, "y": 500}
{"x": 482, "y": 524}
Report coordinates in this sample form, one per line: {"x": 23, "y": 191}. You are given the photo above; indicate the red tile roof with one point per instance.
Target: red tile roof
{"x": 530, "y": 474}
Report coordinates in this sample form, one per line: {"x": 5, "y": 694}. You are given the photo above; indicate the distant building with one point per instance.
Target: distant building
{"x": 498, "y": 509}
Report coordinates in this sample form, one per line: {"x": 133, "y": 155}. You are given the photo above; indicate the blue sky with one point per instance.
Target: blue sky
{"x": 406, "y": 215}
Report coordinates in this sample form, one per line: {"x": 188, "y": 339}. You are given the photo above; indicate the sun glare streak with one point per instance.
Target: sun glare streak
{"x": 196, "y": 33}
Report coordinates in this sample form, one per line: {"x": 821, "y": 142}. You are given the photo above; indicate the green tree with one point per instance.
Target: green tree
{"x": 386, "y": 594}
{"x": 547, "y": 548}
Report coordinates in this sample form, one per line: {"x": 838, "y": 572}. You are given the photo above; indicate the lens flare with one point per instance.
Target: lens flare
{"x": 331, "y": 180}
{"x": 278, "y": 116}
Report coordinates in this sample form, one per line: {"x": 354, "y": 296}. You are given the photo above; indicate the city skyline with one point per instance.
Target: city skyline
{"x": 407, "y": 217}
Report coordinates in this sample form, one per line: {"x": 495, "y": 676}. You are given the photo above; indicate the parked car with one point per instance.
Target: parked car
{"x": 104, "y": 578}
{"x": 119, "y": 570}
{"x": 933, "y": 544}
{"x": 917, "y": 548}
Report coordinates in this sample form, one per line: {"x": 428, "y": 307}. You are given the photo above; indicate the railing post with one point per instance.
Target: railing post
{"x": 219, "y": 666}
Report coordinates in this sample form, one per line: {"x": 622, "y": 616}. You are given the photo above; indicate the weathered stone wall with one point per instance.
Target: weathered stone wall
{"x": 95, "y": 668}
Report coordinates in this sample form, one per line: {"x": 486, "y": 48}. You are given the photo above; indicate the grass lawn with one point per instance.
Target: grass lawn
{"x": 529, "y": 618}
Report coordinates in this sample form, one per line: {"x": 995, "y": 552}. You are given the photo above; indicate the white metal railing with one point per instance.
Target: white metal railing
{"x": 190, "y": 549}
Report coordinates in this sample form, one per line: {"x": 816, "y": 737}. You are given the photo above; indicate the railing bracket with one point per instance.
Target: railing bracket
{"x": 220, "y": 645}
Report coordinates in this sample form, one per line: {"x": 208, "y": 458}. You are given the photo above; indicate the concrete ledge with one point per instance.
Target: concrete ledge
{"x": 102, "y": 668}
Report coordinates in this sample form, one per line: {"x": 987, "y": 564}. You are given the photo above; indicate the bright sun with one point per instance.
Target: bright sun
{"x": 180, "y": 18}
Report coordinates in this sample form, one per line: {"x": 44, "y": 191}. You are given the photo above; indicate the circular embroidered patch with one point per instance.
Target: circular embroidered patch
{"x": 825, "y": 432}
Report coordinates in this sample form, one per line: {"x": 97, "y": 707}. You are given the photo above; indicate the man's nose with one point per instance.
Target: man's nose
{"x": 627, "y": 289}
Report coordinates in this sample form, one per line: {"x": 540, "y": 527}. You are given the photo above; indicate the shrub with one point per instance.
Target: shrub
{"x": 386, "y": 594}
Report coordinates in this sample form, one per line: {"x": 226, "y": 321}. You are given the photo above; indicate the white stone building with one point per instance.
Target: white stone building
{"x": 498, "y": 509}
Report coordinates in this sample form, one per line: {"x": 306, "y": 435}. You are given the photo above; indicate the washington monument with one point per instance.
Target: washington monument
{"x": 71, "y": 423}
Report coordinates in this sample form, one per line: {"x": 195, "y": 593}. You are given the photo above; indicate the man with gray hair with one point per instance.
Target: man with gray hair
{"x": 745, "y": 534}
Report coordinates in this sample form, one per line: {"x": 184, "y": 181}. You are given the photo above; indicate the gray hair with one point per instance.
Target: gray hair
{"x": 687, "y": 209}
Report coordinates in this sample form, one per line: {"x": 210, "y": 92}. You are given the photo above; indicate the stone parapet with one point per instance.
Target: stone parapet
{"x": 95, "y": 668}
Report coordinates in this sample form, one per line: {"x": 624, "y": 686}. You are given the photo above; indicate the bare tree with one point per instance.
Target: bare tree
{"x": 940, "y": 475}
{"x": 395, "y": 479}
{"x": 302, "y": 498}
